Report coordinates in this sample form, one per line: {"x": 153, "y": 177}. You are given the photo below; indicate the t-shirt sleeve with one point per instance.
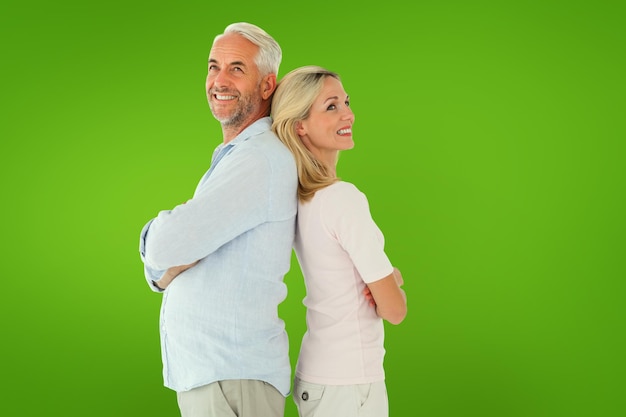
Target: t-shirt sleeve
{"x": 351, "y": 223}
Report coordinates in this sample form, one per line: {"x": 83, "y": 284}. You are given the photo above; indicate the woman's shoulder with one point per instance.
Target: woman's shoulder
{"x": 342, "y": 187}
{"x": 341, "y": 192}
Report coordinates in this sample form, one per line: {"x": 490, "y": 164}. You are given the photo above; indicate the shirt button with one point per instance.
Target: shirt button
{"x": 305, "y": 395}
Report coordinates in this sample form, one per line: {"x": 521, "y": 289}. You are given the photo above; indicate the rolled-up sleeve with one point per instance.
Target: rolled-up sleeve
{"x": 150, "y": 273}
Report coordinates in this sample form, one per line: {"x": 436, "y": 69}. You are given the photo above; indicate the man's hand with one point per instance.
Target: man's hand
{"x": 172, "y": 273}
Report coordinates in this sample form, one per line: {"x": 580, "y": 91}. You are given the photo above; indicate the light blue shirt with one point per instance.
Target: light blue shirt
{"x": 219, "y": 319}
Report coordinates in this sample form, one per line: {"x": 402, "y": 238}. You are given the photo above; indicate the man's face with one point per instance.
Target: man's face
{"x": 233, "y": 84}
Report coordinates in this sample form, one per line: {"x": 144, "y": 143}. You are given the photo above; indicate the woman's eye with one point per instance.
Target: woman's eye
{"x": 331, "y": 107}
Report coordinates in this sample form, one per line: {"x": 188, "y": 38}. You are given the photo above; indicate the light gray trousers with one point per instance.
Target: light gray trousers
{"x": 232, "y": 398}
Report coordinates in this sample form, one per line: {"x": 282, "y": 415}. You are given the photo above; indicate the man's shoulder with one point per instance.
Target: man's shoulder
{"x": 266, "y": 143}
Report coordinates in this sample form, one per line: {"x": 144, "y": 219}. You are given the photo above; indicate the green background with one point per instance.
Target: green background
{"x": 489, "y": 140}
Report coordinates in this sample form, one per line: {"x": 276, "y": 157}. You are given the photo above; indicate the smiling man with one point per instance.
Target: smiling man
{"x": 220, "y": 258}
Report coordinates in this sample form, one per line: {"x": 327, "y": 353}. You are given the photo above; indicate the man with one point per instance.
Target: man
{"x": 220, "y": 258}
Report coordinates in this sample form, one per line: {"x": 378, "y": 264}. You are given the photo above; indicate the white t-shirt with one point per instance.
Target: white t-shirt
{"x": 340, "y": 249}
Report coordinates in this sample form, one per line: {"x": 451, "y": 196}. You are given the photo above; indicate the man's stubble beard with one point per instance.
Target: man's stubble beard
{"x": 242, "y": 112}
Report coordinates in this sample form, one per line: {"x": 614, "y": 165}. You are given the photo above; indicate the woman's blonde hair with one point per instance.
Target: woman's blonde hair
{"x": 291, "y": 104}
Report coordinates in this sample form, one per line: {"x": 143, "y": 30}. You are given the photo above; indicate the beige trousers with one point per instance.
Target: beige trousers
{"x": 362, "y": 400}
{"x": 232, "y": 398}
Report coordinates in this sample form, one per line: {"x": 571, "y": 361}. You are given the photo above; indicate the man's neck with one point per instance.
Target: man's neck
{"x": 230, "y": 132}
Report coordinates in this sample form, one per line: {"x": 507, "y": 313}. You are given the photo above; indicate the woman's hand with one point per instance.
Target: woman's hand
{"x": 386, "y": 296}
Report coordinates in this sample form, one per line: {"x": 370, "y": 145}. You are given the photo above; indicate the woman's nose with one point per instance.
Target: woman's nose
{"x": 348, "y": 114}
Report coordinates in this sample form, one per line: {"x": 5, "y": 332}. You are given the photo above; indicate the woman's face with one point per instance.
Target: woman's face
{"x": 328, "y": 129}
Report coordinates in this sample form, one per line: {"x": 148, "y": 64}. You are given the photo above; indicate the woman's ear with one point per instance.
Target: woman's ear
{"x": 268, "y": 86}
{"x": 300, "y": 130}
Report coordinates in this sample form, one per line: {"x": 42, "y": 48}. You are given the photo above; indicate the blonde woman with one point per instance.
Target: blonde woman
{"x": 351, "y": 284}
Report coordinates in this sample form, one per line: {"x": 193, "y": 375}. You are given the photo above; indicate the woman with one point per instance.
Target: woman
{"x": 351, "y": 284}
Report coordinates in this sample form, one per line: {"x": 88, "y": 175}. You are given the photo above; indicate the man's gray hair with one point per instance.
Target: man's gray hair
{"x": 270, "y": 55}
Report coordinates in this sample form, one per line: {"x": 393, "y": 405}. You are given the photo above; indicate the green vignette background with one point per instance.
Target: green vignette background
{"x": 489, "y": 140}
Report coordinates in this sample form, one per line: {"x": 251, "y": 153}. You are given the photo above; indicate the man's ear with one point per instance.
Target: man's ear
{"x": 268, "y": 86}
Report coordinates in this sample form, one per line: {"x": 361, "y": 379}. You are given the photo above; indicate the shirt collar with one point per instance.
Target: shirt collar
{"x": 260, "y": 126}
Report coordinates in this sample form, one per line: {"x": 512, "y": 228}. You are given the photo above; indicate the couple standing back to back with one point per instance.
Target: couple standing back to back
{"x": 220, "y": 258}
